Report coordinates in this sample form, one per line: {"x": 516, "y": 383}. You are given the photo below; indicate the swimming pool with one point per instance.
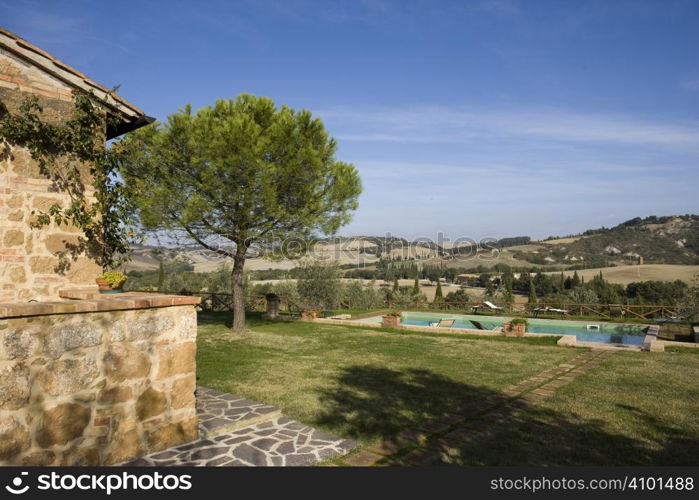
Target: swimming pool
{"x": 584, "y": 331}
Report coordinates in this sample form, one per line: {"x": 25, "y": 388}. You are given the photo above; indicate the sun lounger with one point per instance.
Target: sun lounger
{"x": 486, "y": 305}
{"x": 547, "y": 309}
{"x": 667, "y": 320}
{"x": 480, "y": 326}
{"x": 492, "y": 306}
{"x": 443, "y": 323}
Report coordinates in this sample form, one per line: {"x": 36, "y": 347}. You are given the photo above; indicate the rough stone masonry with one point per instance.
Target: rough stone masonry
{"x": 96, "y": 388}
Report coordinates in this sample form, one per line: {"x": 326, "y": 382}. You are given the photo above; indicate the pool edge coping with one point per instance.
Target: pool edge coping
{"x": 565, "y": 340}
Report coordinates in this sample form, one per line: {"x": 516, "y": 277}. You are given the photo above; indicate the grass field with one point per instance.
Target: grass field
{"x": 616, "y": 414}
{"x": 635, "y": 408}
{"x": 362, "y": 383}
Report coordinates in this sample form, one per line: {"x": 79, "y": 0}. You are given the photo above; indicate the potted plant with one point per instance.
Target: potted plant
{"x": 391, "y": 319}
{"x": 111, "y": 282}
{"x": 516, "y": 327}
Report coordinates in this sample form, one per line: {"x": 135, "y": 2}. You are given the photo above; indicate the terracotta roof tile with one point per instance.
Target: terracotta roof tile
{"x": 56, "y": 67}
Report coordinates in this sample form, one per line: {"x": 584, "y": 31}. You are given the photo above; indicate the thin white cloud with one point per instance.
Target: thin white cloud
{"x": 503, "y": 168}
{"x": 431, "y": 124}
{"x": 479, "y": 197}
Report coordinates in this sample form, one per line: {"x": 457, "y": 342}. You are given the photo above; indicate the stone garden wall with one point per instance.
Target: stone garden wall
{"x": 96, "y": 382}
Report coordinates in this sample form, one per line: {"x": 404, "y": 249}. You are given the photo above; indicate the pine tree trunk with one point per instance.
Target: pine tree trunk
{"x": 238, "y": 291}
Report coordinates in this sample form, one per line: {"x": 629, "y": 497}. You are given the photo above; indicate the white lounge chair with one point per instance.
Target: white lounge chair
{"x": 443, "y": 323}
{"x": 481, "y": 326}
{"x": 547, "y": 309}
{"x": 559, "y": 311}
{"x": 492, "y": 306}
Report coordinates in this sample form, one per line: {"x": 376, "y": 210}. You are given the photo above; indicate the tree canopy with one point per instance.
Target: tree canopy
{"x": 240, "y": 175}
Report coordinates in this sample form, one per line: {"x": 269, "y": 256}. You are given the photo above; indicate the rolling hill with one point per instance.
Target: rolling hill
{"x": 666, "y": 240}
{"x": 659, "y": 240}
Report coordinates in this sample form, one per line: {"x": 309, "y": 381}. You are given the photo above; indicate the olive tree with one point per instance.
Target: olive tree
{"x": 319, "y": 284}
{"x": 241, "y": 176}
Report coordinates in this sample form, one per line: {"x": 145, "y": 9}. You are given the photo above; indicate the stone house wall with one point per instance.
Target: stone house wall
{"x": 96, "y": 382}
{"x": 34, "y": 264}
{"x": 85, "y": 379}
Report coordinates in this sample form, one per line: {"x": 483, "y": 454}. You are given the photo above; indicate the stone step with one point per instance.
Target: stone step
{"x": 220, "y": 413}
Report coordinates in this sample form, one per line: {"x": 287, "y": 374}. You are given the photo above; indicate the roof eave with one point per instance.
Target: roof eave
{"x": 19, "y": 47}
{"x": 125, "y": 127}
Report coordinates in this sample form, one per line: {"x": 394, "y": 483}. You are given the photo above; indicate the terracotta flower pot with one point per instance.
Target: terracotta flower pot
{"x": 515, "y": 329}
{"x": 390, "y": 321}
{"x": 309, "y": 315}
{"x": 105, "y": 287}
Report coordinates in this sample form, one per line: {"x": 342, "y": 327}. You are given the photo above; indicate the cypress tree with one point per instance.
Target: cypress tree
{"x": 576, "y": 280}
{"x": 161, "y": 276}
{"x": 508, "y": 297}
{"x": 395, "y": 285}
{"x": 438, "y": 296}
{"x": 568, "y": 284}
{"x": 532, "y": 292}
{"x": 416, "y": 286}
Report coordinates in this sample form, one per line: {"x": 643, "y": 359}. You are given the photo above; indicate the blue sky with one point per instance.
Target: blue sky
{"x": 484, "y": 118}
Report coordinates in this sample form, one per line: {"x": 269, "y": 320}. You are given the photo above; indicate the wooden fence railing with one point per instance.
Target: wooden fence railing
{"x": 215, "y": 301}
{"x": 638, "y": 311}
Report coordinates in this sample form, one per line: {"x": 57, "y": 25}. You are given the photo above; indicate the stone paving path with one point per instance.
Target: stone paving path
{"x": 279, "y": 442}
{"x": 426, "y": 444}
{"x": 239, "y": 432}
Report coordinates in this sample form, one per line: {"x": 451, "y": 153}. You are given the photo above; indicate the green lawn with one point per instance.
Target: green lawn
{"x": 363, "y": 383}
{"x": 635, "y": 408}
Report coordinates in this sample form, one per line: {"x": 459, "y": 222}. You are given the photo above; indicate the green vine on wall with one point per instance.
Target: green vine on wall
{"x": 73, "y": 157}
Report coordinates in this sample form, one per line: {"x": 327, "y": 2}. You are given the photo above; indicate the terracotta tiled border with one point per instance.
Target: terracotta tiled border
{"x": 78, "y": 301}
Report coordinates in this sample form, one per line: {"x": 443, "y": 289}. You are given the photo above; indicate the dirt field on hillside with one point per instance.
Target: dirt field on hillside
{"x": 647, "y": 272}
{"x": 561, "y": 241}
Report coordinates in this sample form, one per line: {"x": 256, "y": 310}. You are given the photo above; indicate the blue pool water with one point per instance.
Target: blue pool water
{"x": 584, "y": 331}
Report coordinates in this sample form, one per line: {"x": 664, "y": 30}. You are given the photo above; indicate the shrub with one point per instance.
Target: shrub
{"x": 319, "y": 284}
{"x": 458, "y": 296}
{"x": 356, "y": 295}
{"x": 583, "y": 296}
{"x": 115, "y": 278}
